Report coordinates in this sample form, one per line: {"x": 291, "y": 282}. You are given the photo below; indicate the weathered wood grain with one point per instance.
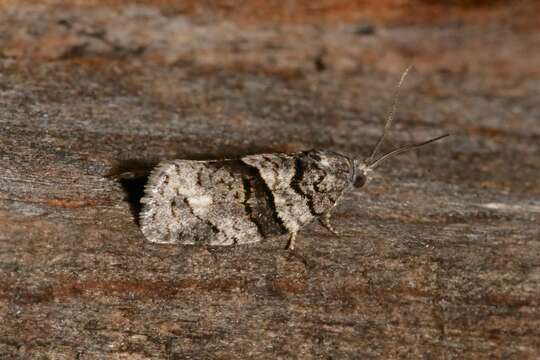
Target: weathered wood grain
{"x": 440, "y": 254}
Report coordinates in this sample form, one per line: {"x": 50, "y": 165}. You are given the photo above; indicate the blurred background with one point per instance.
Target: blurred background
{"x": 338, "y": 60}
{"x": 439, "y": 255}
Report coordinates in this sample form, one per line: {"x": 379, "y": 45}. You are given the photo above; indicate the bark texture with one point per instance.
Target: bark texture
{"x": 439, "y": 256}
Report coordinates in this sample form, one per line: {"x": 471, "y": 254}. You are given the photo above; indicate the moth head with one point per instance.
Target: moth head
{"x": 364, "y": 169}
{"x": 361, "y": 175}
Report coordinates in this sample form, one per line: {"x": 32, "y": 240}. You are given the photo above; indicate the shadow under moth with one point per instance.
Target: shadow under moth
{"x": 245, "y": 200}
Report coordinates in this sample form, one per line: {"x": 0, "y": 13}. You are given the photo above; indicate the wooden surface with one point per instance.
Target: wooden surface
{"x": 439, "y": 256}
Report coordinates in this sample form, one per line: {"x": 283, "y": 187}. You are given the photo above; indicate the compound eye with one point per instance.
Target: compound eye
{"x": 360, "y": 180}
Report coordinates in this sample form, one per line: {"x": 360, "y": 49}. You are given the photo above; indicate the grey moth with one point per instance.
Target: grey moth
{"x": 255, "y": 197}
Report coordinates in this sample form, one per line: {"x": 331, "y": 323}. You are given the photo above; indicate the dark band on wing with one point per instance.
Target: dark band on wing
{"x": 299, "y": 169}
{"x": 259, "y": 202}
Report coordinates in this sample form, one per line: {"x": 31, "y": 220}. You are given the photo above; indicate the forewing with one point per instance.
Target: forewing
{"x": 325, "y": 177}
{"x": 196, "y": 202}
{"x": 278, "y": 172}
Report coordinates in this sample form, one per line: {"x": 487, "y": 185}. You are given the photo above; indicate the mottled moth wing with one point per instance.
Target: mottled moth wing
{"x": 206, "y": 202}
{"x": 322, "y": 179}
{"x": 278, "y": 172}
{"x": 241, "y": 201}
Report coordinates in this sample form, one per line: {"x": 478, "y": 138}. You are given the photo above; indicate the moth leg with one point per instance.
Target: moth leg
{"x": 325, "y": 222}
{"x": 292, "y": 239}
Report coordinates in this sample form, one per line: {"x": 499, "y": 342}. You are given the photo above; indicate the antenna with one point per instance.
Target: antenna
{"x": 391, "y": 115}
{"x": 402, "y": 149}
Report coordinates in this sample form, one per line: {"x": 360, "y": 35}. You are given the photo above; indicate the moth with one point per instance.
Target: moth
{"x": 255, "y": 197}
